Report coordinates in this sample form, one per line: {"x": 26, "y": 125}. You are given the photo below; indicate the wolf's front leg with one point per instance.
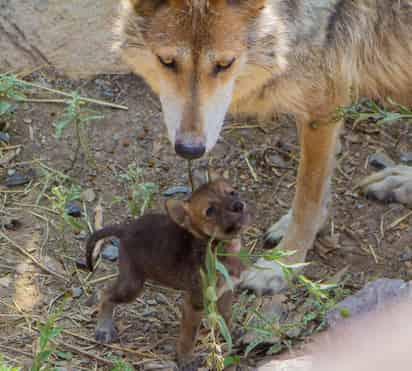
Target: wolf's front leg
{"x": 309, "y": 209}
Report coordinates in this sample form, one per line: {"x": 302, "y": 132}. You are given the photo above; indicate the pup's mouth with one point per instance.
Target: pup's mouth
{"x": 238, "y": 226}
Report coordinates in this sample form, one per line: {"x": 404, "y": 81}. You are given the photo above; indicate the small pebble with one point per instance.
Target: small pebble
{"x": 175, "y": 190}
{"x": 81, "y": 236}
{"x": 11, "y": 172}
{"x": 151, "y": 302}
{"x": 380, "y": 160}
{"x": 81, "y": 263}
{"x": 161, "y": 299}
{"x": 406, "y": 158}
{"x": 16, "y": 180}
{"x": 77, "y": 292}
{"x": 27, "y": 121}
{"x": 73, "y": 210}
{"x": 406, "y": 256}
{"x": 149, "y": 312}
{"x": 110, "y": 252}
{"x": 89, "y": 195}
{"x": 4, "y": 137}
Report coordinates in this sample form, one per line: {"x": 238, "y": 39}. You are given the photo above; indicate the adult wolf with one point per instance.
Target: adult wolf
{"x": 205, "y": 58}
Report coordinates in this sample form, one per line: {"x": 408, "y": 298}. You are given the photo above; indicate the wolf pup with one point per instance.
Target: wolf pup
{"x": 170, "y": 250}
{"x": 207, "y": 58}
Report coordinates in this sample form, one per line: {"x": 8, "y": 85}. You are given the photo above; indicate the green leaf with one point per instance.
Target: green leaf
{"x": 345, "y": 312}
{"x": 231, "y": 360}
{"x": 224, "y": 330}
{"x": 222, "y": 269}
{"x": 253, "y": 344}
{"x": 211, "y": 294}
{"x": 64, "y": 355}
{"x": 4, "y": 107}
{"x": 275, "y": 348}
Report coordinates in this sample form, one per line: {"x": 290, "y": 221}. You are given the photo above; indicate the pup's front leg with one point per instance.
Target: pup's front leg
{"x": 189, "y": 327}
{"x": 309, "y": 209}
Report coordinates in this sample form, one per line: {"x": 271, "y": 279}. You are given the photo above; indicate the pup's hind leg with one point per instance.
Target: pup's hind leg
{"x": 125, "y": 290}
{"x": 189, "y": 327}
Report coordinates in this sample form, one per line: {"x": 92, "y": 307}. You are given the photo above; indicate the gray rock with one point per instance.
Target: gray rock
{"x": 81, "y": 263}
{"x": 374, "y": 296}
{"x": 16, "y": 180}
{"x": 161, "y": 299}
{"x": 4, "y": 137}
{"x": 160, "y": 365}
{"x": 77, "y": 292}
{"x": 406, "y": 158}
{"x": 110, "y": 252}
{"x": 73, "y": 209}
{"x": 380, "y": 160}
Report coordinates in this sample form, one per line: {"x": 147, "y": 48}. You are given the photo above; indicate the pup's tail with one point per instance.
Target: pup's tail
{"x": 109, "y": 231}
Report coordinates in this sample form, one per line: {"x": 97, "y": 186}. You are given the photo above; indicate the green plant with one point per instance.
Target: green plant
{"x": 5, "y": 367}
{"x": 367, "y": 110}
{"x": 48, "y": 331}
{"x": 11, "y": 90}
{"x": 121, "y": 365}
{"x": 60, "y": 197}
{"x": 141, "y": 193}
{"x": 215, "y": 322}
{"x": 76, "y": 114}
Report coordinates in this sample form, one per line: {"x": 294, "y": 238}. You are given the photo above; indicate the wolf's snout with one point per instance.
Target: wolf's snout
{"x": 238, "y": 206}
{"x": 190, "y": 149}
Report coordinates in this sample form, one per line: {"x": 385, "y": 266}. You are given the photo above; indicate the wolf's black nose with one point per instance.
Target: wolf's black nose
{"x": 189, "y": 151}
{"x": 238, "y": 206}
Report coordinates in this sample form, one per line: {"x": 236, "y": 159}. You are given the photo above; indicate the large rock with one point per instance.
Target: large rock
{"x": 375, "y": 296}
{"x": 73, "y": 36}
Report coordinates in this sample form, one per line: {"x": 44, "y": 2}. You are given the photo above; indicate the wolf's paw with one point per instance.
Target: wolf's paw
{"x": 393, "y": 184}
{"x": 106, "y": 334}
{"x": 265, "y": 277}
{"x": 276, "y": 232}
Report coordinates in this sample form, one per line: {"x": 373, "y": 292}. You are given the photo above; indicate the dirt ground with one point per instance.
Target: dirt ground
{"x": 368, "y": 237}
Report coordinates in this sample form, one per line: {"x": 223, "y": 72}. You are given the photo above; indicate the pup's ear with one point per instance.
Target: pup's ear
{"x": 177, "y": 210}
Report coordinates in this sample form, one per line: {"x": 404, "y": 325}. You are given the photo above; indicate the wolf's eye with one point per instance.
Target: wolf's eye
{"x": 210, "y": 211}
{"x": 233, "y": 193}
{"x": 168, "y": 62}
{"x": 224, "y": 65}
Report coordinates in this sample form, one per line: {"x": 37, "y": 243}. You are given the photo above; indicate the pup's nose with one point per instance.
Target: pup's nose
{"x": 238, "y": 206}
{"x": 189, "y": 150}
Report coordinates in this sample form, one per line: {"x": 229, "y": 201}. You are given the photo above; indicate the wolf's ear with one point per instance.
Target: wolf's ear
{"x": 146, "y": 7}
{"x": 177, "y": 210}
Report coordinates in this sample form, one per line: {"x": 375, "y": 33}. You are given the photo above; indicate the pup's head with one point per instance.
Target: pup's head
{"x": 194, "y": 52}
{"x": 214, "y": 210}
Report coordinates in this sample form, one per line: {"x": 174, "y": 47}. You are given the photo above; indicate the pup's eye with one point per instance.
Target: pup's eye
{"x": 233, "y": 193}
{"x": 224, "y": 65}
{"x": 210, "y": 211}
{"x": 168, "y": 62}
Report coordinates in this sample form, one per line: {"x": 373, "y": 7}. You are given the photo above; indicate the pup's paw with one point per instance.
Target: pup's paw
{"x": 187, "y": 362}
{"x": 265, "y": 277}
{"x": 393, "y": 184}
{"x": 276, "y": 232}
{"x": 107, "y": 334}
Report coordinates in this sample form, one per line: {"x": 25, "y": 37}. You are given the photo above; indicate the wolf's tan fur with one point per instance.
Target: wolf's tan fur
{"x": 305, "y": 57}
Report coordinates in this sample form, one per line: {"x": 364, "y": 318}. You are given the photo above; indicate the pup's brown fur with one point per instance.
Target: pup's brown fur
{"x": 262, "y": 57}
{"x": 170, "y": 250}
